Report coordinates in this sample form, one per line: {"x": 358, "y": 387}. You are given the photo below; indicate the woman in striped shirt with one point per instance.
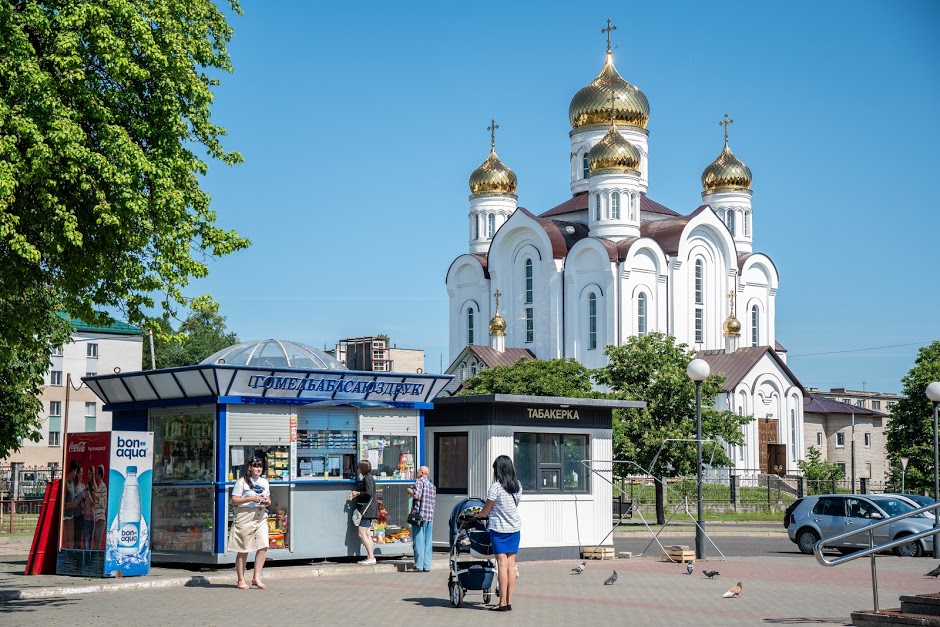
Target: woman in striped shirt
{"x": 504, "y": 524}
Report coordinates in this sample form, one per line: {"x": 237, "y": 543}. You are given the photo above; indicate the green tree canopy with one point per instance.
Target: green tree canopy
{"x": 103, "y": 107}
{"x": 652, "y": 368}
{"x": 909, "y": 432}
{"x": 200, "y": 335}
{"x": 534, "y": 377}
{"x": 820, "y": 475}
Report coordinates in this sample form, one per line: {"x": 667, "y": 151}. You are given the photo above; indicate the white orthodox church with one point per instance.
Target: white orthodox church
{"x": 610, "y": 263}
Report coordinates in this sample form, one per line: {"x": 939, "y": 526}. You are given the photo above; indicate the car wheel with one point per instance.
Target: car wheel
{"x": 911, "y": 549}
{"x": 806, "y": 539}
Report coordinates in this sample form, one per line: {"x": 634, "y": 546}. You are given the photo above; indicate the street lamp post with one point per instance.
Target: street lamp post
{"x": 933, "y": 393}
{"x": 698, "y": 371}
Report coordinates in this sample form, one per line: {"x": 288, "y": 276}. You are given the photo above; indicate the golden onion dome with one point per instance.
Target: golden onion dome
{"x": 497, "y": 325}
{"x": 727, "y": 172}
{"x": 613, "y": 153}
{"x": 731, "y": 326}
{"x": 493, "y": 177}
{"x": 591, "y": 105}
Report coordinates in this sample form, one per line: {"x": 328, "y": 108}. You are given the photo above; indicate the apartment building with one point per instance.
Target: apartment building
{"x": 377, "y": 354}
{"x": 92, "y": 350}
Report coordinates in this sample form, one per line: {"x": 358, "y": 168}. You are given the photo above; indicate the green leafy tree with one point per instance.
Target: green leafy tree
{"x": 103, "y": 107}
{"x": 534, "y": 377}
{"x": 200, "y": 335}
{"x": 820, "y": 475}
{"x": 910, "y": 428}
{"x": 652, "y": 368}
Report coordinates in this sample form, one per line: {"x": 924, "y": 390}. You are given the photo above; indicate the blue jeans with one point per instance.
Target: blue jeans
{"x": 421, "y": 538}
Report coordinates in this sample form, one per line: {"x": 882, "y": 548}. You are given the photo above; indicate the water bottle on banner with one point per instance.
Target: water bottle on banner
{"x": 129, "y": 514}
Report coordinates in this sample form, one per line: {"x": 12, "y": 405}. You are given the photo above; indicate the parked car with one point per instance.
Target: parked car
{"x": 827, "y": 515}
{"x": 919, "y": 500}
{"x": 786, "y": 514}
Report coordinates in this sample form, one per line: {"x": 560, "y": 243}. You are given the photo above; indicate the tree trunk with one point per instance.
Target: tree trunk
{"x": 660, "y": 502}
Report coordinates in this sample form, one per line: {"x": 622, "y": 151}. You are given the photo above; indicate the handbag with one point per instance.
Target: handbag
{"x": 357, "y": 515}
{"x": 414, "y": 518}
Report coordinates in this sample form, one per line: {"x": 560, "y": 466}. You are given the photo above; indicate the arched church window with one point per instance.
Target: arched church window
{"x": 641, "y": 315}
{"x": 592, "y": 321}
{"x": 476, "y": 226}
{"x": 470, "y": 325}
{"x": 793, "y": 433}
{"x": 633, "y": 203}
{"x": 747, "y": 223}
{"x": 755, "y": 325}
{"x": 597, "y": 206}
{"x": 490, "y": 225}
{"x": 528, "y": 281}
{"x": 615, "y": 206}
{"x": 585, "y": 168}
{"x": 729, "y": 218}
{"x": 699, "y": 282}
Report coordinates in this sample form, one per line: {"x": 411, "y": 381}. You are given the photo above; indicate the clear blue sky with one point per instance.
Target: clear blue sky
{"x": 360, "y": 124}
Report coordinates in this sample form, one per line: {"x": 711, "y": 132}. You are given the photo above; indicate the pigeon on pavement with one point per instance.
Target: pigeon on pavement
{"x": 934, "y": 573}
{"x": 611, "y": 580}
{"x": 710, "y": 573}
{"x": 577, "y": 570}
{"x": 733, "y": 592}
{"x": 689, "y": 567}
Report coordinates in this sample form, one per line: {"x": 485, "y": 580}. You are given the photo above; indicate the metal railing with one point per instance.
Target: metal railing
{"x": 872, "y": 549}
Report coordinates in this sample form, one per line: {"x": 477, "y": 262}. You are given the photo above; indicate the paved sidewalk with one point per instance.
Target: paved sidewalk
{"x": 776, "y": 591}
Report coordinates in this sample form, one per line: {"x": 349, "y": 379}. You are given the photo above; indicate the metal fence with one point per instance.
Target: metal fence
{"x": 21, "y": 494}
{"x": 22, "y": 484}
{"x": 745, "y": 488}
{"x": 19, "y": 517}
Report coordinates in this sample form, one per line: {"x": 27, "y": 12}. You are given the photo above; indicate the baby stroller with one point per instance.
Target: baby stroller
{"x": 468, "y": 534}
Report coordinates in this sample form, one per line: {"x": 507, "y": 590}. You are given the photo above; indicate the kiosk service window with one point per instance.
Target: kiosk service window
{"x": 551, "y": 462}
{"x": 392, "y": 456}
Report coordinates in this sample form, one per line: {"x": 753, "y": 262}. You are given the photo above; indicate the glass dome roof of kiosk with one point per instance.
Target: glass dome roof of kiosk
{"x": 275, "y": 354}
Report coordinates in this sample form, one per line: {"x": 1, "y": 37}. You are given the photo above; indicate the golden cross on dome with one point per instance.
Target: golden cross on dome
{"x": 610, "y": 27}
{"x": 725, "y": 123}
{"x": 497, "y": 294}
{"x": 731, "y": 298}
{"x": 492, "y": 129}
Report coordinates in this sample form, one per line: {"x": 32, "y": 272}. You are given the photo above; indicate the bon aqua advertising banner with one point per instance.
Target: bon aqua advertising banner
{"x": 131, "y": 479}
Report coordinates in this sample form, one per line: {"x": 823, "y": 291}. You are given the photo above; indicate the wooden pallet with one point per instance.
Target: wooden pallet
{"x": 677, "y": 553}
{"x": 598, "y": 553}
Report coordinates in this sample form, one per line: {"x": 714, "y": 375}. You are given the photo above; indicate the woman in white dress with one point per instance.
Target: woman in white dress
{"x": 250, "y": 498}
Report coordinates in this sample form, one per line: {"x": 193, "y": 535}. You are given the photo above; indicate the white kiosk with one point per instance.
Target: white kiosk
{"x": 562, "y": 450}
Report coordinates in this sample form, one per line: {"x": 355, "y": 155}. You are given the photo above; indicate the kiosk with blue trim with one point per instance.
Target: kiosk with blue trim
{"x": 300, "y": 410}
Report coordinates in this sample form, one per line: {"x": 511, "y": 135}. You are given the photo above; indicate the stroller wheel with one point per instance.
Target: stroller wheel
{"x": 487, "y": 596}
{"x": 456, "y": 594}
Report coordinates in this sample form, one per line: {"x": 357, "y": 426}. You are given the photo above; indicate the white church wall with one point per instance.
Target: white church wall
{"x": 588, "y": 270}
{"x": 758, "y": 287}
{"x": 467, "y": 287}
{"x": 644, "y": 271}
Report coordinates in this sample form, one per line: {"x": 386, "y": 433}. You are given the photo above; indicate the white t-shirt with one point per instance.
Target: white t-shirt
{"x": 504, "y": 515}
{"x": 259, "y": 486}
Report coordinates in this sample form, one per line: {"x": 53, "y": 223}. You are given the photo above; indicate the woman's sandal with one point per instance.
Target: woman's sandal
{"x": 501, "y": 608}
{"x": 258, "y": 584}
{"x": 241, "y": 585}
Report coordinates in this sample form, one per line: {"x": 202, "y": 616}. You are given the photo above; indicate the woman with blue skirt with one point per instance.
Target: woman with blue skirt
{"x": 504, "y": 525}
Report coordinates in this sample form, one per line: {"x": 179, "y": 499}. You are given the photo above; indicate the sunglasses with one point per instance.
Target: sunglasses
{"x": 257, "y": 465}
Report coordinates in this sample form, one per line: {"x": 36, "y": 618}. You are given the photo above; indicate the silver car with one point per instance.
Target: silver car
{"x": 827, "y": 515}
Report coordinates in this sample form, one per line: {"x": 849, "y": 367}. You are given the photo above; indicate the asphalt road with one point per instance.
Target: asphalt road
{"x": 777, "y": 545}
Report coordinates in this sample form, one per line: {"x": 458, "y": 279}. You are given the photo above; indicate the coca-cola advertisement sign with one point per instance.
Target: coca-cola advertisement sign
{"x": 87, "y": 470}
